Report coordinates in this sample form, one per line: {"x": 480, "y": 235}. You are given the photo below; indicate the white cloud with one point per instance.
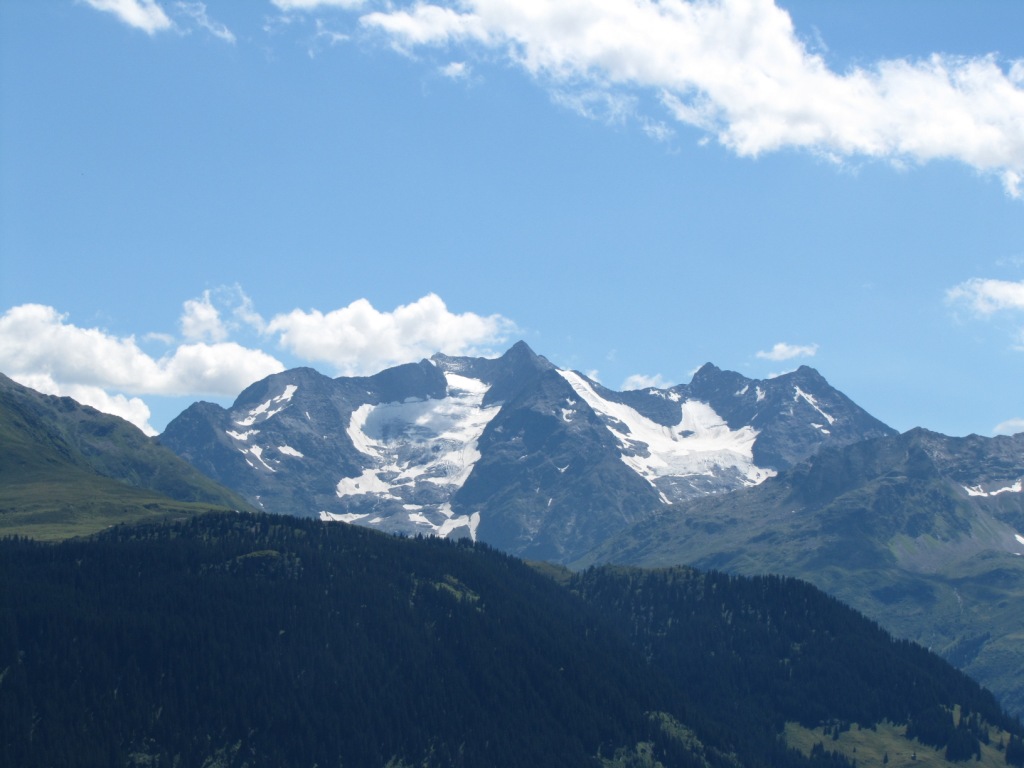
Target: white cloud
{"x": 737, "y": 70}
{"x": 41, "y": 349}
{"x": 36, "y": 340}
{"x": 146, "y": 15}
{"x": 332, "y": 37}
{"x": 1009, "y": 427}
{"x": 596, "y": 104}
{"x": 985, "y": 296}
{"x": 201, "y": 320}
{"x": 656, "y": 129}
{"x": 131, "y": 409}
{"x": 312, "y": 5}
{"x": 197, "y": 12}
{"x": 359, "y": 339}
{"x": 428, "y": 25}
{"x": 642, "y": 381}
{"x": 456, "y": 70}
{"x": 784, "y": 351}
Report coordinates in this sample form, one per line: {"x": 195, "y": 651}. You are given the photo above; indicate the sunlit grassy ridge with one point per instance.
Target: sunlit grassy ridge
{"x": 68, "y": 470}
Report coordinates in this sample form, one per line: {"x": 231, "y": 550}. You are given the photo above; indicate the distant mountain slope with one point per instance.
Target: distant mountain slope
{"x": 922, "y": 532}
{"x": 536, "y": 460}
{"x": 269, "y": 640}
{"x": 67, "y": 469}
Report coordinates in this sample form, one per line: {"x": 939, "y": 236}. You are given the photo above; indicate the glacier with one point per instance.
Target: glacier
{"x": 690, "y": 457}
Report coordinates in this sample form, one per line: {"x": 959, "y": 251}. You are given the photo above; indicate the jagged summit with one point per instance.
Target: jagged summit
{"x": 529, "y": 457}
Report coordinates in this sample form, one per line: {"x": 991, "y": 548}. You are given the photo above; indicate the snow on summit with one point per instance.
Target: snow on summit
{"x": 682, "y": 460}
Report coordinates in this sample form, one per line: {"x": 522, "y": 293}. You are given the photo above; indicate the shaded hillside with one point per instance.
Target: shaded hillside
{"x": 67, "y": 469}
{"x": 921, "y": 532}
{"x": 262, "y": 640}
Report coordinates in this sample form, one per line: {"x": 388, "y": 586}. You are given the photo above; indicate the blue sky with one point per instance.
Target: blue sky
{"x": 194, "y": 195}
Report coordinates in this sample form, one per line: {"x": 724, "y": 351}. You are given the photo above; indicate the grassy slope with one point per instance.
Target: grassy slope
{"x": 67, "y": 470}
{"x": 869, "y": 747}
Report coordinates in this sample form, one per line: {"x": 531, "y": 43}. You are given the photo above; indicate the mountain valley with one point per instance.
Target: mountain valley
{"x": 921, "y": 532}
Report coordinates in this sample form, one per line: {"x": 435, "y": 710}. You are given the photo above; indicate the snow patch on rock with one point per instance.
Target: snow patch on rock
{"x": 977, "y": 490}
{"x": 696, "y": 450}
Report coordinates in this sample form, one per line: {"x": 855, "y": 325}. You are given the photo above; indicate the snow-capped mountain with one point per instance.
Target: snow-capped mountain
{"x": 533, "y": 459}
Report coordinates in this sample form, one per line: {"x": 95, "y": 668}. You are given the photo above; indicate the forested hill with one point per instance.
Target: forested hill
{"x": 251, "y": 640}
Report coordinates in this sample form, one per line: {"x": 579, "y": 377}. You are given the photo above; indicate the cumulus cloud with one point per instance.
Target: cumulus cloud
{"x": 359, "y": 339}
{"x": 41, "y": 348}
{"x": 218, "y": 313}
{"x": 146, "y": 15}
{"x": 784, "y": 351}
{"x": 986, "y": 296}
{"x": 131, "y": 409}
{"x": 37, "y": 340}
{"x": 642, "y": 381}
{"x": 1009, "y": 427}
{"x": 737, "y": 70}
{"x": 201, "y": 320}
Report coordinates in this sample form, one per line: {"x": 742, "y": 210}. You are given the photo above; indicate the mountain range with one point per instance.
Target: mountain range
{"x": 923, "y": 533}
{"x": 920, "y": 531}
{"x": 538, "y": 461}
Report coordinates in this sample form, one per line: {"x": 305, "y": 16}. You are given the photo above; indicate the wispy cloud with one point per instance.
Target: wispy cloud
{"x": 146, "y": 15}
{"x": 737, "y": 70}
{"x": 217, "y": 314}
{"x": 784, "y": 351}
{"x": 312, "y": 5}
{"x": 360, "y": 339}
{"x": 986, "y": 297}
{"x": 1009, "y": 427}
{"x": 197, "y": 12}
{"x": 643, "y": 381}
{"x": 456, "y": 70}
{"x": 150, "y": 16}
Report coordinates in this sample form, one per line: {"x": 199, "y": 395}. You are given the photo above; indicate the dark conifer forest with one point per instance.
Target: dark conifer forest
{"x": 255, "y": 640}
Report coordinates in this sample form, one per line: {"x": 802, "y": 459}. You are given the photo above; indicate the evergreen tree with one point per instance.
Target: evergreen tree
{"x": 1015, "y": 751}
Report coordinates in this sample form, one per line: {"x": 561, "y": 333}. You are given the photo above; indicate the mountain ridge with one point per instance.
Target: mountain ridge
{"x": 540, "y": 461}
{"x": 67, "y": 468}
